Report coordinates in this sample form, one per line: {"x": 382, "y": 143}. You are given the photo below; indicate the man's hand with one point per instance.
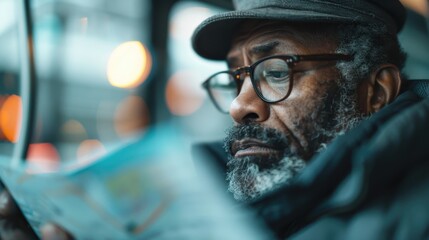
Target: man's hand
{"x": 54, "y": 232}
{"x": 13, "y": 225}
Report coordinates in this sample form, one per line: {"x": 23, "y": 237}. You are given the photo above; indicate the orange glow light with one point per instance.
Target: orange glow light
{"x": 42, "y": 152}
{"x": 419, "y": 6}
{"x": 183, "y": 94}
{"x": 90, "y": 149}
{"x": 10, "y": 118}
{"x": 42, "y": 158}
{"x": 129, "y": 65}
{"x": 2, "y": 99}
{"x": 131, "y": 116}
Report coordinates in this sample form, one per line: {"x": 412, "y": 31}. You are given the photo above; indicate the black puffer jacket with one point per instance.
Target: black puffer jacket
{"x": 371, "y": 183}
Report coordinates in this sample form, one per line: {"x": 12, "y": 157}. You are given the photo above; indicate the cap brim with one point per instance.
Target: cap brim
{"x": 212, "y": 38}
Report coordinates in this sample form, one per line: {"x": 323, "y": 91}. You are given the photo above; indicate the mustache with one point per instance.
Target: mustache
{"x": 269, "y": 136}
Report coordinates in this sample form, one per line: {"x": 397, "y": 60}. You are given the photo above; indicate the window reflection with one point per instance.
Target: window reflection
{"x": 81, "y": 74}
{"x": 185, "y": 98}
{"x": 10, "y": 101}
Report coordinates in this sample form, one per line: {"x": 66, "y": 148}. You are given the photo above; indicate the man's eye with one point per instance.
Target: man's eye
{"x": 274, "y": 75}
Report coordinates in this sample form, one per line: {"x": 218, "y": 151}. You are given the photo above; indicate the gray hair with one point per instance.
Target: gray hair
{"x": 371, "y": 46}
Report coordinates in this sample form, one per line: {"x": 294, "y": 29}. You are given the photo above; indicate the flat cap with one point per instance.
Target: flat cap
{"x": 212, "y": 38}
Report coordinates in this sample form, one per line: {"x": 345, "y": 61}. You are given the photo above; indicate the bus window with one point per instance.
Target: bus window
{"x": 10, "y": 100}
{"x": 91, "y": 57}
{"x": 186, "y": 100}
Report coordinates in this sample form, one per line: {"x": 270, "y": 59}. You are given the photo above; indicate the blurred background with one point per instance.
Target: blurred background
{"x": 102, "y": 71}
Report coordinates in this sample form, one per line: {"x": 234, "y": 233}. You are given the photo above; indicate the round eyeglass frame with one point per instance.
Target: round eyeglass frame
{"x": 291, "y": 61}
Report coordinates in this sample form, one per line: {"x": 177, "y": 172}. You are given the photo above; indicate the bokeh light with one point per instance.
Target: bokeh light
{"x": 129, "y": 65}
{"x": 2, "y": 99}
{"x": 419, "y": 6}
{"x": 131, "y": 116}
{"x": 73, "y": 130}
{"x": 90, "y": 149}
{"x": 42, "y": 152}
{"x": 10, "y": 118}
{"x": 184, "y": 94}
{"x": 42, "y": 158}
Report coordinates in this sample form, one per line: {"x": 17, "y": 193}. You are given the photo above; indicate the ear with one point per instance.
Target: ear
{"x": 381, "y": 88}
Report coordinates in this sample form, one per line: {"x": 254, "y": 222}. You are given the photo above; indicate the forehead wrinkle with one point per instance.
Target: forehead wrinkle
{"x": 267, "y": 42}
{"x": 262, "y": 46}
{"x": 294, "y": 39}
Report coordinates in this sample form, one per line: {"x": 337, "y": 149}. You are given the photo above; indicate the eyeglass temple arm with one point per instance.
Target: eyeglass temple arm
{"x": 324, "y": 57}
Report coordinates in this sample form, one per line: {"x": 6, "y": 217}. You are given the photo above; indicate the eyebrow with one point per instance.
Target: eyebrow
{"x": 261, "y": 49}
{"x": 264, "y": 48}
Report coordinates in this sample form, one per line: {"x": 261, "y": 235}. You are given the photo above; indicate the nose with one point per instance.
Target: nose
{"x": 247, "y": 106}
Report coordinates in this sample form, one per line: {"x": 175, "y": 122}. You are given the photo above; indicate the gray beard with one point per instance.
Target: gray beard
{"x": 248, "y": 181}
{"x": 251, "y": 177}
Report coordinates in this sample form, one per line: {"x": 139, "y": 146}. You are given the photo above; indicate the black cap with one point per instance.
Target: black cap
{"x": 212, "y": 38}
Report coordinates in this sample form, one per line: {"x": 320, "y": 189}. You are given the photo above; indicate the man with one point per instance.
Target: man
{"x": 320, "y": 83}
{"x": 329, "y": 138}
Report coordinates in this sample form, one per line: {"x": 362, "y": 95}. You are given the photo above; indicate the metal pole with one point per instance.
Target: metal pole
{"x": 27, "y": 79}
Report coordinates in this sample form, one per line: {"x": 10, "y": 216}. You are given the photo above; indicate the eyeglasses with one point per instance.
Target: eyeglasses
{"x": 271, "y": 77}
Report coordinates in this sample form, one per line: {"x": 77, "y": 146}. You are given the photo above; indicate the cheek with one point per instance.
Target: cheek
{"x": 303, "y": 109}
{"x": 311, "y": 93}
{"x": 303, "y": 104}
{"x": 297, "y": 117}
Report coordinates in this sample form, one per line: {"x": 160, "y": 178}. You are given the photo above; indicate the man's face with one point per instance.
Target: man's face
{"x": 270, "y": 143}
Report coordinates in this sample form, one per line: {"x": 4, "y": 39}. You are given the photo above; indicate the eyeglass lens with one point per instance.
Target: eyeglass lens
{"x": 270, "y": 80}
{"x": 223, "y": 90}
{"x": 271, "y": 77}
